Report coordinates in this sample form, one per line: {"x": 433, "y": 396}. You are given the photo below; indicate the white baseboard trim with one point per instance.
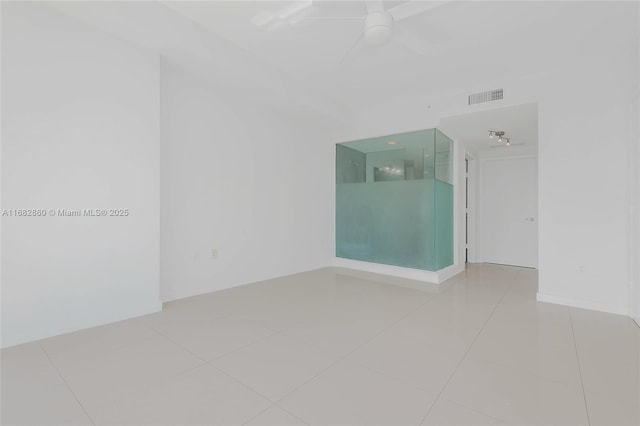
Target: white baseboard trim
{"x": 584, "y": 304}
{"x": 434, "y": 277}
{"x": 149, "y": 308}
{"x": 450, "y": 271}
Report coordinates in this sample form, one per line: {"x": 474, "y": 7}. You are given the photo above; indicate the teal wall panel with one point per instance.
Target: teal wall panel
{"x": 443, "y": 206}
{"x": 390, "y": 206}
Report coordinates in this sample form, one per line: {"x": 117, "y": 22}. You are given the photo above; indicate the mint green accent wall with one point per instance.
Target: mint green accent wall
{"x": 443, "y": 223}
{"x": 393, "y": 210}
{"x": 387, "y": 222}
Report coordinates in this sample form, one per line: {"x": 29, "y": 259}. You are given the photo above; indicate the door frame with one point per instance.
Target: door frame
{"x": 470, "y": 209}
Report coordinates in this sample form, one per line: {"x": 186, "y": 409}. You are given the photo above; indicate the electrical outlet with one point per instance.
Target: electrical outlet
{"x": 214, "y": 253}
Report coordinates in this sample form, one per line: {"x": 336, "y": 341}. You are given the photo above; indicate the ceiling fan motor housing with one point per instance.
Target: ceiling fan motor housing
{"x": 378, "y": 27}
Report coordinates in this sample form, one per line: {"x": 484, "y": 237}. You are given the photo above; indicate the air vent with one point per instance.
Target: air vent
{"x": 491, "y": 95}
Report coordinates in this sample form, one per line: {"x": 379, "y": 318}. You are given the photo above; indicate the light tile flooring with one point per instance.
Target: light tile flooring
{"x": 336, "y": 347}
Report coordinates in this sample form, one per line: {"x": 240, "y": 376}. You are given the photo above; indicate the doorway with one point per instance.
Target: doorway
{"x": 509, "y": 200}
{"x": 500, "y": 223}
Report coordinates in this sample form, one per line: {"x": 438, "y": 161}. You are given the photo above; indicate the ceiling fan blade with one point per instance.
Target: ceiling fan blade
{"x": 374, "y": 6}
{"x": 329, "y": 18}
{"x": 354, "y": 50}
{"x": 412, "y": 8}
{"x": 411, "y": 41}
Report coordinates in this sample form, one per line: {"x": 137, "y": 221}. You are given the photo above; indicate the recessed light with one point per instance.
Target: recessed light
{"x": 391, "y": 142}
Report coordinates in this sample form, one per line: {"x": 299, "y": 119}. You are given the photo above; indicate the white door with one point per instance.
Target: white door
{"x": 509, "y": 205}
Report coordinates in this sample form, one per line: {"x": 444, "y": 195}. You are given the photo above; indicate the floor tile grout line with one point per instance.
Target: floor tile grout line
{"x": 341, "y": 358}
{"x": 162, "y": 332}
{"x": 146, "y": 387}
{"x": 204, "y": 361}
{"x": 245, "y": 385}
{"x": 209, "y": 361}
{"x": 259, "y": 414}
{"x": 253, "y": 342}
{"x": 478, "y": 412}
{"x": 273, "y": 331}
{"x": 292, "y": 414}
{"x": 299, "y": 341}
{"x": 426, "y": 302}
{"x": 115, "y": 348}
{"x": 464, "y": 356}
{"x": 66, "y": 383}
{"x": 575, "y": 345}
{"x": 273, "y": 404}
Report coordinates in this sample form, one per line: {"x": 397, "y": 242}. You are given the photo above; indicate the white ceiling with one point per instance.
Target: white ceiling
{"x": 520, "y": 123}
{"x": 301, "y": 67}
{"x": 467, "y": 42}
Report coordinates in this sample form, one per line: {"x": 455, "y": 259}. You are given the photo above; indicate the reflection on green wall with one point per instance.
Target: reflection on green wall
{"x": 394, "y": 200}
{"x": 350, "y": 165}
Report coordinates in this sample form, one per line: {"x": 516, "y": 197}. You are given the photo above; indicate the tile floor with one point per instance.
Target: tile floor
{"x": 337, "y": 347}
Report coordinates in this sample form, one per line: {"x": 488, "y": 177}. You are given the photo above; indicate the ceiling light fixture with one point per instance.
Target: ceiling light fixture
{"x": 391, "y": 142}
{"x": 501, "y": 136}
{"x": 378, "y": 28}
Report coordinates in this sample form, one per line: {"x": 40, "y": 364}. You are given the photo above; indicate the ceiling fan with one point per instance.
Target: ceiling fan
{"x": 380, "y": 25}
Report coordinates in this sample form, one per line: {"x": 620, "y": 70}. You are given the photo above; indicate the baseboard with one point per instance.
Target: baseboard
{"x": 33, "y": 336}
{"x": 434, "y": 277}
{"x": 450, "y": 272}
{"x": 174, "y": 297}
{"x": 584, "y": 304}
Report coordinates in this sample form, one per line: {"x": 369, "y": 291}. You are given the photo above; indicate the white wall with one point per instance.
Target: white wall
{"x": 584, "y": 115}
{"x": 240, "y": 179}
{"x": 584, "y": 186}
{"x": 80, "y": 130}
{"x": 634, "y": 210}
